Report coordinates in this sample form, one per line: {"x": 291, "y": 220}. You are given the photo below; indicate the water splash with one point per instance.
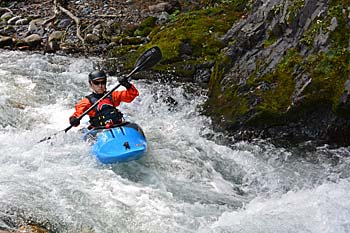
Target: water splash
{"x": 186, "y": 183}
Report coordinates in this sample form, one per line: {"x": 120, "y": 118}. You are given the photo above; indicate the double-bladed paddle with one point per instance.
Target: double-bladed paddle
{"x": 148, "y": 59}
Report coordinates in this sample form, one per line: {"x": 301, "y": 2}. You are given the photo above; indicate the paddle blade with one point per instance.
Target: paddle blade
{"x": 148, "y": 59}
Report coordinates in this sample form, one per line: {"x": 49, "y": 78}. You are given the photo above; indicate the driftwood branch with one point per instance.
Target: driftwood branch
{"x": 76, "y": 20}
{"x": 57, "y": 9}
{"x": 56, "y": 13}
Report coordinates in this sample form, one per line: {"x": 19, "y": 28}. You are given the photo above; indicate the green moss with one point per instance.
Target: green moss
{"x": 232, "y": 106}
{"x": 236, "y": 4}
{"x": 277, "y": 98}
{"x": 329, "y": 72}
{"x": 191, "y": 38}
{"x": 173, "y": 16}
{"x": 228, "y": 106}
{"x": 200, "y": 29}
{"x": 4, "y": 3}
{"x": 294, "y": 9}
{"x": 146, "y": 26}
{"x": 225, "y": 105}
{"x": 270, "y": 40}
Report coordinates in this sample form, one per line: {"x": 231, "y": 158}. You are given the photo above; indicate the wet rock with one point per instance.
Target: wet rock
{"x": 202, "y": 76}
{"x": 22, "y": 21}
{"x": 185, "y": 49}
{"x": 171, "y": 102}
{"x": 344, "y": 101}
{"x": 32, "y": 41}
{"x": 56, "y": 35}
{"x": 334, "y": 24}
{"x": 92, "y": 38}
{"x": 8, "y": 30}
{"x": 13, "y": 20}
{"x": 6, "y": 16}
{"x": 35, "y": 25}
{"x": 64, "y": 23}
{"x": 345, "y": 98}
{"x": 5, "y": 41}
{"x": 163, "y": 18}
{"x": 252, "y": 62}
{"x": 163, "y": 6}
{"x": 54, "y": 40}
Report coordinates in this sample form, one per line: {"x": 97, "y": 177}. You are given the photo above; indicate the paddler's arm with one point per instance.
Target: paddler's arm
{"x": 80, "y": 108}
{"x": 125, "y": 95}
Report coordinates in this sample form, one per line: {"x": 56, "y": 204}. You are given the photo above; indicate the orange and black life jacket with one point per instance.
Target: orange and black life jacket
{"x": 106, "y": 113}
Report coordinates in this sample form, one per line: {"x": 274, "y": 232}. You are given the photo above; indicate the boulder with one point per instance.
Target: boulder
{"x": 56, "y": 36}
{"x": 53, "y": 42}
{"x": 13, "y": 20}
{"x": 6, "y": 16}
{"x": 32, "y": 41}
{"x": 5, "y": 41}
{"x": 22, "y": 21}
{"x": 35, "y": 25}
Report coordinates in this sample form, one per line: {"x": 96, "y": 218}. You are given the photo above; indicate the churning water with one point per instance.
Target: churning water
{"x": 186, "y": 183}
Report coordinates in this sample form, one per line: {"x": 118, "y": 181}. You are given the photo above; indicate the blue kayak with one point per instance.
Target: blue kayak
{"x": 121, "y": 143}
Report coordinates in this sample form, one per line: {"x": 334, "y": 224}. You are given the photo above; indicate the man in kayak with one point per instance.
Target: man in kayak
{"x": 105, "y": 112}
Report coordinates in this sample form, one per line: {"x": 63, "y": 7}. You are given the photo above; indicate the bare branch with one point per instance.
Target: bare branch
{"x": 76, "y": 20}
{"x": 57, "y": 9}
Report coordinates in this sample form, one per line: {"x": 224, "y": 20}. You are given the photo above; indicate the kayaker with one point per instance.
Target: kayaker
{"x": 105, "y": 113}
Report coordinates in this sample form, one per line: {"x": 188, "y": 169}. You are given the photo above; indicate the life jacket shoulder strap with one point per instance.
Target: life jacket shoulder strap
{"x": 93, "y": 99}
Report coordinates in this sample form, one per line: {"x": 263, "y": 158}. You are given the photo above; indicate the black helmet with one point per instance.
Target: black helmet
{"x": 97, "y": 74}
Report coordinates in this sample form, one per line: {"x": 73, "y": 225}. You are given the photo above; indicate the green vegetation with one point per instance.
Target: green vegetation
{"x": 294, "y": 10}
{"x": 146, "y": 27}
{"x": 199, "y": 29}
{"x": 4, "y": 3}
{"x": 277, "y": 99}
{"x": 190, "y": 38}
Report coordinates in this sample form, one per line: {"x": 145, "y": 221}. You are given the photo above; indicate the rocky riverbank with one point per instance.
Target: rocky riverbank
{"x": 76, "y": 27}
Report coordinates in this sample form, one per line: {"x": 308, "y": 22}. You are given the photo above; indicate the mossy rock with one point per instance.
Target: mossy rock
{"x": 197, "y": 31}
{"x": 146, "y": 27}
{"x": 124, "y": 39}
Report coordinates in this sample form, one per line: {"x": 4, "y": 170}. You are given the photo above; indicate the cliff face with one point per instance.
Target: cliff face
{"x": 285, "y": 73}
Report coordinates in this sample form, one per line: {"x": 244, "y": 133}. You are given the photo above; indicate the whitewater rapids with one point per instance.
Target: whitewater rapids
{"x": 190, "y": 180}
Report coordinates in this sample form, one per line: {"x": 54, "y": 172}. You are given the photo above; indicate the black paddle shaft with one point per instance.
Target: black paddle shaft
{"x": 148, "y": 59}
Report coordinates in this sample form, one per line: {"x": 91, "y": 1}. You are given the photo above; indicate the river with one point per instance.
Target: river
{"x": 190, "y": 180}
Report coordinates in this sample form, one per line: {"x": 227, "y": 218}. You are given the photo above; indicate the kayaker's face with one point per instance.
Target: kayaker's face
{"x": 99, "y": 85}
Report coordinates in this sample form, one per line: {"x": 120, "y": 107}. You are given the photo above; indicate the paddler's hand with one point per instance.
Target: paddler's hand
{"x": 124, "y": 82}
{"x": 74, "y": 121}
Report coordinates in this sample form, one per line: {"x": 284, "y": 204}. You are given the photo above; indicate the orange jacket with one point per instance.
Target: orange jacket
{"x": 117, "y": 97}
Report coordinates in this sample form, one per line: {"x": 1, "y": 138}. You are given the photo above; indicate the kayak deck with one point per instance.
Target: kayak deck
{"x": 122, "y": 143}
